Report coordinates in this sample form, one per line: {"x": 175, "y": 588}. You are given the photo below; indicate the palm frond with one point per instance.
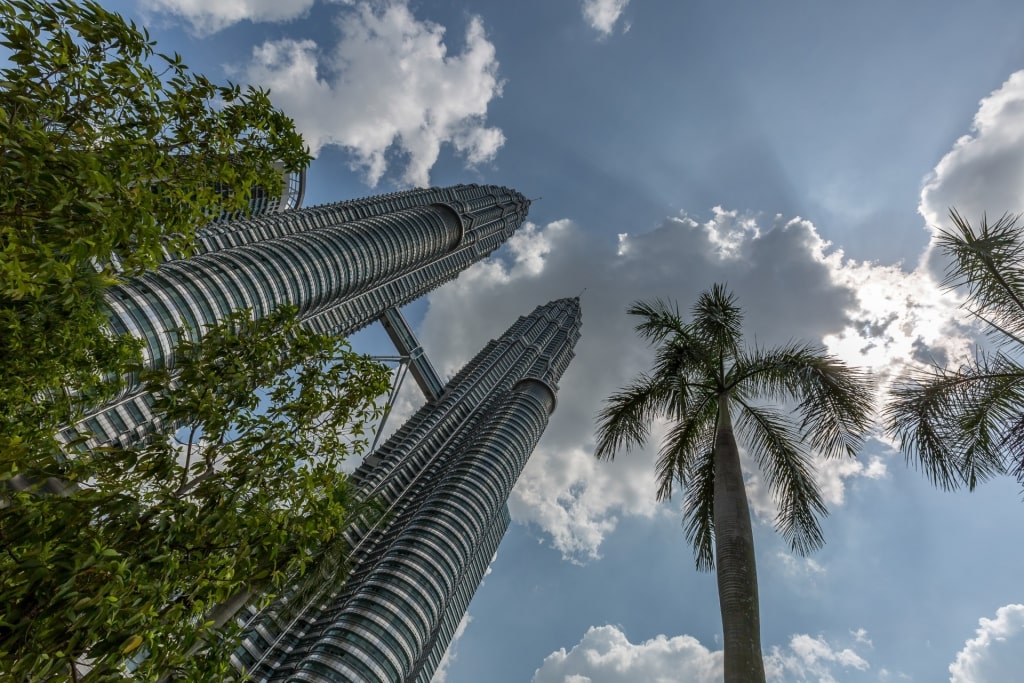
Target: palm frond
{"x": 776, "y": 444}
{"x": 684, "y": 363}
{"x": 918, "y": 417}
{"x": 989, "y": 262}
{"x": 661, "y": 319}
{"x": 624, "y": 421}
{"x": 836, "y": 402}
{"x": 1013, "y": 447}
{"x": 772, "y": 374}
{"x": 718, "y": 320}
{"x": 993, "y": 405}
{"x": 960, "y": 427}
{"x": 838, "y": 408}
{"x": 692, "y": 435}
{"x": 699, "y": 511}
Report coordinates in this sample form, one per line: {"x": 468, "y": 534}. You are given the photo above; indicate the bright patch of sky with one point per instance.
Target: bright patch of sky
{"x": 802, "y": 152}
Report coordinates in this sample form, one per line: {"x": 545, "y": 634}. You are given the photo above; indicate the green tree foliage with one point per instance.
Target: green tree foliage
{"x": 154, "y": 538}
{"x": 109, "y": 152}
{"x": 964, "y": 425}
{"x": 703, "y": 379}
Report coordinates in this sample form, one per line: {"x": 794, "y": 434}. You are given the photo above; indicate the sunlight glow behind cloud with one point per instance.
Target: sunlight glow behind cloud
{"x": 576, "y": 500}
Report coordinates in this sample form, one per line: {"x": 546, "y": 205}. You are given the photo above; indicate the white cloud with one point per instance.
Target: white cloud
{"x": 389, "y": 88}
{"x": 983, "y": 172}
{"x": 996, "y": 653}
{"x": 810, "y": 660}
{"x": 803, "y": 568}
{"x": 451, "y": 654}
{"x": 605, "y": 655}
{"x": 831, "y": 475}
{"x": 901, "y": 318}
{"x": 861, "y": 636}
{"x": 209, "y": 16}
{"x": 601, "y": 15}
{"x": 789, "y": 281}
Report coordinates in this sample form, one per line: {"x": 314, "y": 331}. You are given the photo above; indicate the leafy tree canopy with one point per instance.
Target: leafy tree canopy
{"x": 156, "y": 536}
{"x": 110, "y": 152}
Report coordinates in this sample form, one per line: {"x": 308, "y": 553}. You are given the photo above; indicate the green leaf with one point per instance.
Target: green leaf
{"x": 131, "y": 644}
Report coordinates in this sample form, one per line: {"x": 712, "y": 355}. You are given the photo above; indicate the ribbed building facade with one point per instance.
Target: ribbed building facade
{"x": 342, "y": 265}
{"x": 443, "y": 478}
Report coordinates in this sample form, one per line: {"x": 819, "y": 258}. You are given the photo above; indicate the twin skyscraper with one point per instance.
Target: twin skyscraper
{"x": 443, "y": 478}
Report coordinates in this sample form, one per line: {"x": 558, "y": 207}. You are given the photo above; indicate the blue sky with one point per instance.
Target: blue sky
{"x": 800, "y": 150}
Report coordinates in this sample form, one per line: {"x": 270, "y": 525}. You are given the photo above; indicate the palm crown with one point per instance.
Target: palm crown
{"x": 702, "y": 374}
{"x": 700, "y": 362}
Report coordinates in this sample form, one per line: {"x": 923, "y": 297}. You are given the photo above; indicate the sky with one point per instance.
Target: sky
{"x": 804, "y": 153}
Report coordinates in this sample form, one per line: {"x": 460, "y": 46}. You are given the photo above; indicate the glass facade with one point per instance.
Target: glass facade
{"x": 444, "y": 478}
{"x": 343, "y": 265}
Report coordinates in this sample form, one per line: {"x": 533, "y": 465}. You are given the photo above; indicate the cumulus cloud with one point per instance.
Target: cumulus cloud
{"x": 983, "y": 175}
{"x": 601, "y": 15}
{"x": 996, "y": 653}
{"x": 207, "y": 17}
{"x": 790, "y": 282}
{"x": 810, "y": 659}
{"x": 831, "y": 476}
{"x": 901, "y": 319}
{"x": 388, "y": 89}
{"x": 983, "y": 172}
{"x": 606, "y": 655}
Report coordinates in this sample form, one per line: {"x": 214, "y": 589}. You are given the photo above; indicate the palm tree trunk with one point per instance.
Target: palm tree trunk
{"x": 734, "y": 559}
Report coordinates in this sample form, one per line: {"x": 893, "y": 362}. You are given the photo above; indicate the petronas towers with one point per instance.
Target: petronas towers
{"x": 442, "y": 479}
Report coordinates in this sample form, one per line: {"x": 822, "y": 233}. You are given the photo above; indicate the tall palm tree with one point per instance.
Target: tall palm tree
{"x": 704, "y": 377}
{"x": 965, "y": 425}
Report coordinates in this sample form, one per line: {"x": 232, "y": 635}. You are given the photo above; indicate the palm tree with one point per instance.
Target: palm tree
{"x": 965, "y": 425}
{"x": 703, "y": 377}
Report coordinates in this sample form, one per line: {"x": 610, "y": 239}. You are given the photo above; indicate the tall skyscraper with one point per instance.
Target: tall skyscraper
{"x": 343, "y": 265}
{"x": 444, "y": 478}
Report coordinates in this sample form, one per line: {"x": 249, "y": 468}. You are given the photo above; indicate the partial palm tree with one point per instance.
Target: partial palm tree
{"x": 964, "y": 425}
{"x": 705, "y": 380}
